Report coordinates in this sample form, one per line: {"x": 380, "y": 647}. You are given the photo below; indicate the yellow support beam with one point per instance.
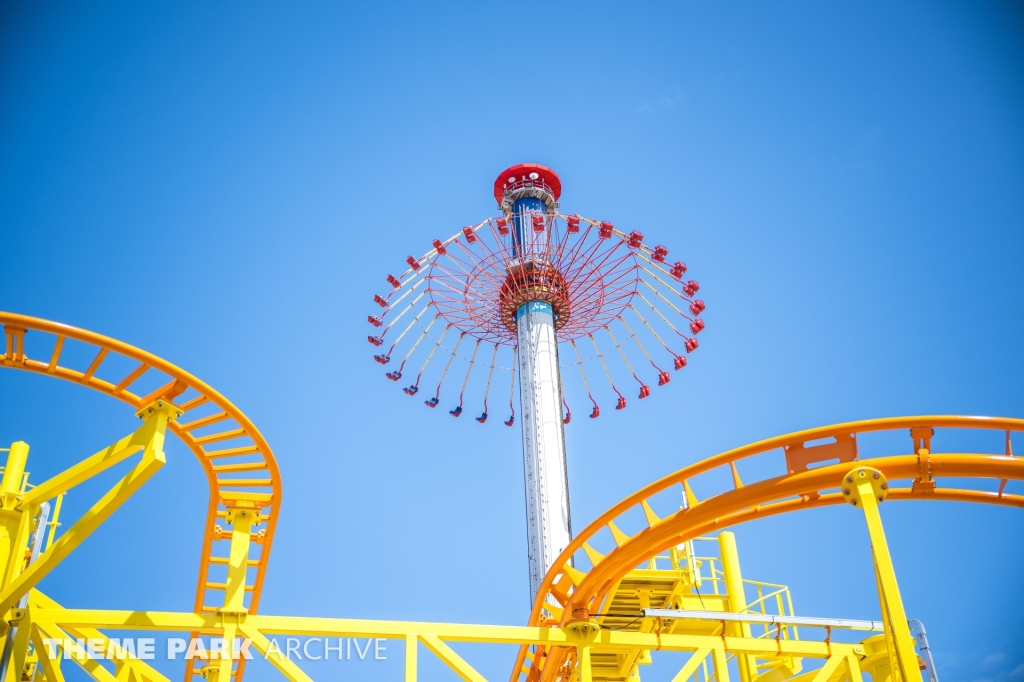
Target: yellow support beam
{"x": 21, "y": 523}
{"x": 585, "y": 671}
{"x": 864, "y": 488}
{"x": 90, "y": 466}
{"x": 721, "y": 665}
{"x": 10, "y": 485}
{"x": 91, "y": 666}
{"x": 286, "y": 667}
{"x": 826, "y": 671}
{"x": 411, "y": 653}
{"x": 51, "y": 666}
{"x": 149, "y": 438}
{"x": 241, "y": 521}
{"x": 263, "y": 625}
{"x": 452, "y": 659}
{"x": 19, "y": 650}
{"x": 129, "y": 664}
{"x": 10, "y": 498}
{"x": 737, "y": 598}
{"x": 691, "y": 665}
{"x": 853, "y": 668}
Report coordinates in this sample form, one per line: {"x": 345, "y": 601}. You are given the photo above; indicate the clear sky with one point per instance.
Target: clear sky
{"x": 227, "y": 185}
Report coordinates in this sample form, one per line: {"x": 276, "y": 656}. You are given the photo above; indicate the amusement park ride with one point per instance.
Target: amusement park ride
{"x": 548, "y": 292}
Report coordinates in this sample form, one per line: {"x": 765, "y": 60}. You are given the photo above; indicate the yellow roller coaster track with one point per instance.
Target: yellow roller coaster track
{"x": 808, "y": 482}
{"x": 243, "y": 469}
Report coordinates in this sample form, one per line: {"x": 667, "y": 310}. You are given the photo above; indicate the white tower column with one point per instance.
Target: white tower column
{"x": 547, "y": 488}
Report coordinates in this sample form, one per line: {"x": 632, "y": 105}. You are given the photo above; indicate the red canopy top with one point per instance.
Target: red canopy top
{"x": 525, "y": 172}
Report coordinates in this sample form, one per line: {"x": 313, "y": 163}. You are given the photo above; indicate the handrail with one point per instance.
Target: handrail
{"x": 768, "y": 619}
{"x": 250, "y": 453}
{"x": 802, "y": 487}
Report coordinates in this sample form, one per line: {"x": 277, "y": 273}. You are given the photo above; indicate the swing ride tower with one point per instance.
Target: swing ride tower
{"x": 529, "y": 281}
{"x": 532, "y": 291}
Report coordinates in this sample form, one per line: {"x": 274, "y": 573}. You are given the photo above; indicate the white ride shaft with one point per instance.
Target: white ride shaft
{"x": 547, "y": 488}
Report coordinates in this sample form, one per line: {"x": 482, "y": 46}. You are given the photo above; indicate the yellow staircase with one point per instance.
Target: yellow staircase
{"x": 691, "y": 580}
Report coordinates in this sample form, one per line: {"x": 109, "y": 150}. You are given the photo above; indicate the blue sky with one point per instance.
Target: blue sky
{"x": 227, "y": 186}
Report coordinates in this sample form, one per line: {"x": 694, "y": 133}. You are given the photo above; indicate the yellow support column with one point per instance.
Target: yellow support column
{"x": 241, "y": 520}
{"x": 14, "y": 531}
{"x": 19, "y": 648}
{"x": 583, "y": 653}
{"x": 865, "y": 487}
{"x": 737, "y": 599}
{"x": 887, "y": 639}
{"x": 411, "y": 644}
{"x": 721, "y": 664}
{"x": 10, "y": 498}
{"x": 14, "y": 470}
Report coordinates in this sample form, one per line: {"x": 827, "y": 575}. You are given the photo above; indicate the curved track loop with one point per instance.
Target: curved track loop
{"x": 802, "y": 486}
{"x": 242, "y": 468}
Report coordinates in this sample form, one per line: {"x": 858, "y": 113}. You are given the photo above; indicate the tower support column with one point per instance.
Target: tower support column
{"x": 547, "y": 489}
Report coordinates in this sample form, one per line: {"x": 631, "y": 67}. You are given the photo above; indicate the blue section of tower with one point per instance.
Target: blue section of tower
{"x": 534, "y": 307}
{"x": 522, "y": 210}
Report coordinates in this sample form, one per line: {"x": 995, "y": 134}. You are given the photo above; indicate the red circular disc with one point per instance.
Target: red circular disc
{"x": 522, "y": 173}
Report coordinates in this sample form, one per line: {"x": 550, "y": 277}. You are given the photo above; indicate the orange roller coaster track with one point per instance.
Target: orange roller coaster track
{"x": 241, "y": 471}
{"x": 803, "y": 486}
